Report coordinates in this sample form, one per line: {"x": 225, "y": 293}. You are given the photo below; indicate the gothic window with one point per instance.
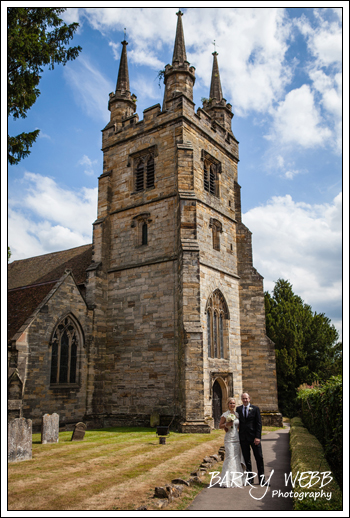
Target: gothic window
{"x": 64, "y": 352}
{"x": 144, "y": 169}
{"x": 217, "y": 326}
{"x": 216, "y": 227}
{"x": 144, "y": 233}
{"x": 212, "y": 170}
{"x": 141, "y": 224}
{"x": 209, "y": 331}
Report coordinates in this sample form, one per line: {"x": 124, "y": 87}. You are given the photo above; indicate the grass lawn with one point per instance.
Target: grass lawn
{"x": 112, "y": 468}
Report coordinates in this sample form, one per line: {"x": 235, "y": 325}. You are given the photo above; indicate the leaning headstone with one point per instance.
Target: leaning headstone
{"x": 79, "y": 432}
{"x": 19, "y": 439}
{"x": 49, "y": 428}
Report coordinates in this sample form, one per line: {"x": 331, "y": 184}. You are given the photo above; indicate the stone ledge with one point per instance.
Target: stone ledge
{"x": 272, "y": 419}
{"x": 194, "y": 427}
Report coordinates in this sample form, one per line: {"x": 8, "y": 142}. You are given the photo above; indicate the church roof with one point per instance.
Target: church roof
{"x": 31, "y": 280}
{"x": 22, "y": 302}
{"x": 50, "y": 267}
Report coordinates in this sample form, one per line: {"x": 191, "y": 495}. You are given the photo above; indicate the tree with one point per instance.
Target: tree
{"x": 306, "y": 344}
{"x": 36, "y": 37}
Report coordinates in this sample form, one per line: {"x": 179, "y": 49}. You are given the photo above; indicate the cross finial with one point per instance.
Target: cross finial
{"x": 124, "y": 33}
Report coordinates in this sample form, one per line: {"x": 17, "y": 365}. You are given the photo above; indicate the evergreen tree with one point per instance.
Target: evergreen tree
{"x": 306, "y": 343}
{"x": 36, "y": 37}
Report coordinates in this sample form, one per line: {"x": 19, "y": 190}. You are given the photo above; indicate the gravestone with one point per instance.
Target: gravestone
{"x": 154, "y": 420}
{"x": 50, "y": 428}
{"x": 78, "y": 432}
{"x": 19, "y": 440}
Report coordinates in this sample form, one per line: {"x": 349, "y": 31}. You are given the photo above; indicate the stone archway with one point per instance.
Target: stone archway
{"x": 217, "y": 403}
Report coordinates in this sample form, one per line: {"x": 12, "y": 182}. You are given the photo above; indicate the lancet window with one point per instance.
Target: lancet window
{"x": 217, "y": 326}
{"x": 216, "y": 227}
{"x": 144, "y": 169}
{"x": 141, "y": 224}
{"x": 64, "y": 352}
{"x": 211, "y": 174}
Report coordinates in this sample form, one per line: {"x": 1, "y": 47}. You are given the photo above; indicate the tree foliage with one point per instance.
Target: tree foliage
{"x": 36, "y": 37}
{"x": 306, "y": 343}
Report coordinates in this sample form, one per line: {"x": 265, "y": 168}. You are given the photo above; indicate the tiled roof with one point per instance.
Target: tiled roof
{"x": 30, "y": 281}
{"x": 50, "y": 267}
{"x": 22, "y": 302}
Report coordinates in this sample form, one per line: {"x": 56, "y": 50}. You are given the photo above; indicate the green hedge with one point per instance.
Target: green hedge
{"x": 322, "y": 414}
{"x": 307, "y": 455}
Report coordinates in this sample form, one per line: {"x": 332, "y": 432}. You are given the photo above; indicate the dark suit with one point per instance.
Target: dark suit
{"x": 250, "y": 429}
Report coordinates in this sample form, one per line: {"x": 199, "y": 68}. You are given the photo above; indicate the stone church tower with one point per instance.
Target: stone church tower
{"x": 179, "y": 320}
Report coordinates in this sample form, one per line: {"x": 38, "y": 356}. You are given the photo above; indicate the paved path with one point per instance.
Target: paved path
{"x": 275, "y": 446}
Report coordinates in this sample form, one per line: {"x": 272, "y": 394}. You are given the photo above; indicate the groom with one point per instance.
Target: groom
{"x": 250, "y": 435}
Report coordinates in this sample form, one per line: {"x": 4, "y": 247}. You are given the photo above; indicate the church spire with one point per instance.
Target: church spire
{"x": 216, "y": 106}
{"x": 215, "y": 87}
{"x": 123, "y": 73}
{"x": 179, "y": 54}
{"x": 179, "y": 77}
{"x": 121, "y": 103}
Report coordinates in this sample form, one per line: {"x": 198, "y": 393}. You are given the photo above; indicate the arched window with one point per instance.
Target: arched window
{"x": 144, "y": 169}
{"x": 144, "y": 234}
{"x": 217, "y": 326}
{"x": 64, "y": 354}
{"x": 215, "y": 334}
{"x": 209, "y": 331}
{"x": 211, "y": 174}
{"x": 216, "y": 227}
{"x": 141, "y": 223}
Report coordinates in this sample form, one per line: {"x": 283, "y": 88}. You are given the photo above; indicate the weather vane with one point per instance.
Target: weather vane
{"x": 124, "y": 33}
{"x": 214, "y": 43}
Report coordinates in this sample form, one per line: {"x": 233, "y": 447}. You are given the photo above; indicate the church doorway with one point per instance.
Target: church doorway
{"x": 217, "y": 404}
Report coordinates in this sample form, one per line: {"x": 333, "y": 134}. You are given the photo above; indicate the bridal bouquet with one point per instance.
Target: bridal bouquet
{"x": 230, "y": 417}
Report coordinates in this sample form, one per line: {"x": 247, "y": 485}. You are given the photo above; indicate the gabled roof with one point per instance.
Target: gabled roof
{"x": 22, "y": 302}
{"x": 31, "y": 280}
{"x": 50, "y": 267}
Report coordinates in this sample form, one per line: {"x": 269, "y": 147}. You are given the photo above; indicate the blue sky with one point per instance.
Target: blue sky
{"x": 280, "y": 68}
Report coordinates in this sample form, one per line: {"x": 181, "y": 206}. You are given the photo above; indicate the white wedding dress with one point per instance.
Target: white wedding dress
{"x": 232, "y": 474}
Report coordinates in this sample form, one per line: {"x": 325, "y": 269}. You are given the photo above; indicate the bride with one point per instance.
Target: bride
{"x": 232, "y": 474}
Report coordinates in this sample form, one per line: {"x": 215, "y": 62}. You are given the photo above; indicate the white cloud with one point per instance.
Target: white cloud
{"x": 291, "y": 173}
{"x": 115, "y": 50}
{"x": 85, "y": 160}
{"x": 324, "y": 40}
{"x": 301, "y": 243}
{"x": 49, "y": 218}
{"x": 297, "y": 120}
{"x": 90, "y": 87}
{"x": 255, "y": 73}
{"x": 251, "y": 45}
{"x": 44, "y": 135}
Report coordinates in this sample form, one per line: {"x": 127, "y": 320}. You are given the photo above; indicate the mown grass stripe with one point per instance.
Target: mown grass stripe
{"x": 89, "y": 470}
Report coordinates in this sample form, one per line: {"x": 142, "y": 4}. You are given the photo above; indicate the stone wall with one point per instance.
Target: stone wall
{"x": 258, "y": 351}
{"x": 34, "y": 365}
{"x": 153, "y": 353}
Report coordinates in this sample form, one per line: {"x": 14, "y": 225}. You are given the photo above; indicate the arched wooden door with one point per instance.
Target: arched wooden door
{"x": 217, "y": 404}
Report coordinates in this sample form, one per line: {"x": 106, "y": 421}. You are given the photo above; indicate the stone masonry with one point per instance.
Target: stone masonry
{"x": 166, "y": 316}
{"x": 151, "y": 294}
